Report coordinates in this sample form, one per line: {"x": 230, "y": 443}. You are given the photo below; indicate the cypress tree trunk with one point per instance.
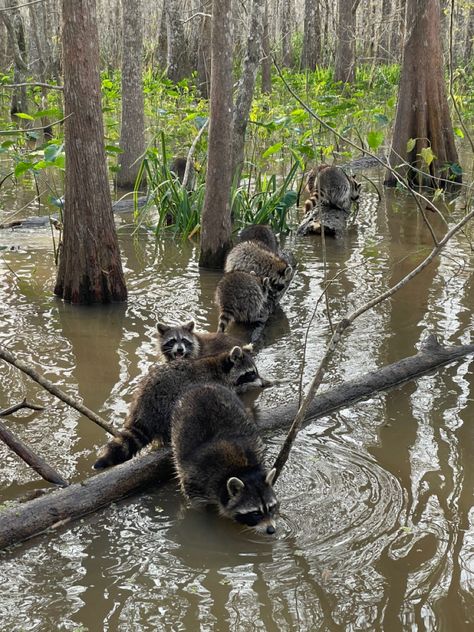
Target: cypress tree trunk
{"x": 311, "y": 35}
{"x": 345, "y": 46}
{"x": 132, "y": 131}
{"x": 90, "y": 270}
{"x": 422, "y": 111}
{"x": 216, "y": 222}
{"x": 266, "y": 57}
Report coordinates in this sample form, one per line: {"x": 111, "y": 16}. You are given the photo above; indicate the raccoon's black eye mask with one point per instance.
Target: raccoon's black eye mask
{"x": 251, "y": 519}
{"x": 247, "y": 378}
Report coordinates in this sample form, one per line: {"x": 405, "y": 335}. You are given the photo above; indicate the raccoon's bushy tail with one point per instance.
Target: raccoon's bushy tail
{"x": 224, "y": 319}
{"x": 121, "y": 448}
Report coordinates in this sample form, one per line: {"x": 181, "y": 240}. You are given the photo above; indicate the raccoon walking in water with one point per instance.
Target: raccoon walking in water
{"x": 261, "y": 233}
{"x": 182, "y": 341}
{"x": 218, "y": 455}
{"x": 332, "y": 187}
{"x": 242, "y": 298}
{"x": 149, "y": 415}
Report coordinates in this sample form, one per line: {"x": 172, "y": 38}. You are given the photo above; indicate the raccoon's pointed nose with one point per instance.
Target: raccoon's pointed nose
{"x": 271, "y": 529}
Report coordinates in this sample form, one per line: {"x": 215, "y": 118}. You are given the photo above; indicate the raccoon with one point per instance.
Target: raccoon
{"x": 183, "y": 341}
{"x": 149, "y": 415}
{"x": 249, "y": 256}
{"x": 242, "y": 297}
{"x": 218, "y": 455}
{"x": 261, "y": 233}
{"x": 178, "y": 167}
{"x": 333, "y": 187}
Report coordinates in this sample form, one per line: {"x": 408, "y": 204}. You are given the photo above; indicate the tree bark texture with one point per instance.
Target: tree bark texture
{"x": 422, "y": 110}
{"x": 266, "y": 54}
{"x": 132, "y": 130}
{"x": 16, "y": 34}
{"x": 215, "y": 221}
{"x": 285, "y": 19}
{"x": 177, "y": 50}
{"x": 34, "y": 517}
{"x": 311, "y": 35}
{"x": 204, "y": 48}
{"x": 345, "y": 42}
{"x": 90, "y": 269}
{"x": 243, "y": 101}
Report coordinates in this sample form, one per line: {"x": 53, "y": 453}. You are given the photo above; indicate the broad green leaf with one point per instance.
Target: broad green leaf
{"x": 411, "y": 142}
{"x": 375, "y": 139}
{"x": 56, "y": 112}
{"x": 458, "y": 131}
{"x": 381, "y": 119}
{"x": 23, "y": 115}
{"x": 456, "y": 169}
{"x": 427, "y": 155}
{"x": 51, "y": 152}
{"x": 272, "y": 150}
{"x": 112, "y": 149}
{"x": 21, "y": 167}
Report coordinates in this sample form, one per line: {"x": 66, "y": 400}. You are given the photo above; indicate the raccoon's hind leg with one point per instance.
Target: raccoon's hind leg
{"x": 121, "y": 448}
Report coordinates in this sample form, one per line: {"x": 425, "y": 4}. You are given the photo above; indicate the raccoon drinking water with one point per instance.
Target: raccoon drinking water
{"x": 150, "y": 412}
{"x": 242, "y": 298}
{"x": 332, "y": 187}
{"x": 183, "y": 341}
{"x": 218, "y": 455}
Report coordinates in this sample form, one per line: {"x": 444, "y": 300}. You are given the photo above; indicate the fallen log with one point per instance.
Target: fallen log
{"x": 62, "y": 506}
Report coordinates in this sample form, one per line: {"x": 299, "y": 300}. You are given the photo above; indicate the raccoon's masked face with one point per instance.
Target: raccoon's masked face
{"x": 355, "y": 189}
{"x": 280, "y": 285}
{"x": 177, "y": 342}
{"x": 243, "y": 373}
{"x": 252, "y": 502}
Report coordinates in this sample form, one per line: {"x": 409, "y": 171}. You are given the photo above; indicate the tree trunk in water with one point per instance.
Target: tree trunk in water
{"x": 204, "y": 49}
{"x": 311, "y": 35}
{"x": 286, "y": 52}
{"x": 345, "y": 46}
{"x": 90, "y": 269}
{"x": 246, "y": 87}
{"x": 266, "y": 57}
{"x": 215, "y": 220}
{"x": 132, "y": 131}
{"x": 177, "y": 55}
{"x": 422, "y": 111}
{"x": 59, "y": 507}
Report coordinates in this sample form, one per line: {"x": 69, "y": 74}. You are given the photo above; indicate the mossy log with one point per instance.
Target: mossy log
{"x": 64, "y": 505}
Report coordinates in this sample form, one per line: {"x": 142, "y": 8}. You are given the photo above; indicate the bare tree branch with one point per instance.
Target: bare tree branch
{"x": 15, "y": 407}
{"x": 32, "y": 84}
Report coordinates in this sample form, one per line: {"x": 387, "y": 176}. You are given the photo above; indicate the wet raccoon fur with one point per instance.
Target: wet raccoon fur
{"x": 331, "y": 186}
{"x": 218, "y": 456}
{"x": 261, "y": 233}
{"x": 149, "y": 415}
{"x": 242, "y": 298}
{"x": 249, "y": 256}
{"x": 182, "y": 341}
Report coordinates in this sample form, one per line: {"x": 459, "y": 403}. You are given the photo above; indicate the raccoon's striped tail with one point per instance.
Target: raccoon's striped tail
{"x": 311, "y": 203}
{"x": 224, "y": 319}
{"x": 121, "y": 448}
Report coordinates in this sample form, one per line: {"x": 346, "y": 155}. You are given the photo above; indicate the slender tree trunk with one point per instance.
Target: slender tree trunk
{"x": 177, "y": 56}
{"x": 90, "y": 270}
{"x": 132, "y": 131}
{"x": 204, "y": 48}
{"x": 16, "y": 34}
{"x": 387, "y": 24}
{"x": 266, "y": 55}
{"x": 397, "y": 38}
{"x": 162, "y": 48}
{"x": 422, "y": 111}
{"x": 246, "y": 85}
{"x": 345, "y": 41}
{"x": 285, "y": 17}
{"x": 469, "y": 36}
{"x": 311, "y": 35}
{"x": 216, "y": 222}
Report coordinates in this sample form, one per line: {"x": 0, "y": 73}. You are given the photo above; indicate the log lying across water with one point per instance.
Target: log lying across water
{"x": 62, "y": 506}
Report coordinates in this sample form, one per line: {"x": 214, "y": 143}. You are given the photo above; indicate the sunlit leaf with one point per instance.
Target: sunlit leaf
{"x": 23, "y": 115}
{"x": 272, "y": 150}
{"x": 427, "y": 155}
{"x": 375, "y": 139}
{"x": 411, "y": 142}
{"x": 458, "y": 131}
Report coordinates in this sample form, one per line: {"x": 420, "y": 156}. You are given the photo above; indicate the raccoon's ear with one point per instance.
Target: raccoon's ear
{"x": 235, "y": 354}
{"x": 253, "y": 272}
{"x": 162, "y": 329}
{"x": 249, "y": 348}
{"x": 288, "y": 272}
{"x": 270, "y": 477}
{"x": 189, "y": 326}
{"x": 234, "y": 486}
{"x": 266, "y": 282}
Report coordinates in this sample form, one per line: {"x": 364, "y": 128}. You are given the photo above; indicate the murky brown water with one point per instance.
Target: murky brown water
{"x": 377, "y": 525}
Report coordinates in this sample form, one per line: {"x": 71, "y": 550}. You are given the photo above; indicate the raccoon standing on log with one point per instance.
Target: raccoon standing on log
{"x": 332, "y": 187}
{"x": 149, "y": 416}
{"x": 242, "y": 297}
{"x": 182, "y": 341}
{"x": 218, "y": 456}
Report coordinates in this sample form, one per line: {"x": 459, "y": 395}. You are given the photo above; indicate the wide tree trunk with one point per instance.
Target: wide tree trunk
{"x": 132, "y": 131}
{"x": 345, "y": 41}
{"x": 215, "y": 220}
{"x": 246, "y": 87}
{"x": 422, "y": 111}
{"x": 90, "y": 269}
{"x": 177, "y": 63}
{"x": 311, "y": 35}
{"x": 266, "y": 54}
{"x": 60, "y": 507}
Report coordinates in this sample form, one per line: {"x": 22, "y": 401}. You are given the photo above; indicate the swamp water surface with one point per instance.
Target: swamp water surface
{"x": 377, "y": 516}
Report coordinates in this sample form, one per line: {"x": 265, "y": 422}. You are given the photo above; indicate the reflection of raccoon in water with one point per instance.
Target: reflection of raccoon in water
{"x": 331, "y": 186}
{"x": 150, "y": 412}
{"x": 250, "y": 257}
{"x": 261, "y": 233}
{"x": 183, "y": 341}
{"x": 242, "y": 298}
{"x": 218, "y": 455}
